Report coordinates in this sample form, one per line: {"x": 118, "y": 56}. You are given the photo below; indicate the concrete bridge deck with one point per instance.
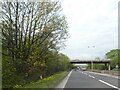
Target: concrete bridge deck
{"x": 89, "y": 61}
{"x": 106, "y": 62}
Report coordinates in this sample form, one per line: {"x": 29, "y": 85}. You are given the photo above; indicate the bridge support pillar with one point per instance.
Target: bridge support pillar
{"x": 108, "y": 66}
{"x": 92, "y": 65}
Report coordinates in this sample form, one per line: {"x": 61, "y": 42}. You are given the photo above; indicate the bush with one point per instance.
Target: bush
{"x": 49, "y": 82}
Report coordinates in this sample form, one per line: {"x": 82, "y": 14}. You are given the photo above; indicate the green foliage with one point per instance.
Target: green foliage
{"x": 57, "y": 62}
{"x": 114, "y": 56}
{"x": 49, "y": 82}
{"x": 97, "y": 66}
{"x": 32, "y": 34}
{"x": 9, "y": 75}
{"x": 8, "y": 71}
{"x": 97, "y": 58}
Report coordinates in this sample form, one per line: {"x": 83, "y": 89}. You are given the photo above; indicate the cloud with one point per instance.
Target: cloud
{"x": 91, "y": 23}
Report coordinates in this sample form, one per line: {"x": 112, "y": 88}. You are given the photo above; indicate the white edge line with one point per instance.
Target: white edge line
{"x": 91, "y": 76}
{"x": 67, "y": 78}
{"x": 103, "y": 74}
{"x": 64, "y": 81}
{"x": 109, "y": 84}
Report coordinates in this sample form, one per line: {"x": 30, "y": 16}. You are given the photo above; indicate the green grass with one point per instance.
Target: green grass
{"x": 49, "y": 82}
{"x": 116, "y": 69}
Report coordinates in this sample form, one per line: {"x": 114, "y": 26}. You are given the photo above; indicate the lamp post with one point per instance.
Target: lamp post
{"x": 91, "y": 58}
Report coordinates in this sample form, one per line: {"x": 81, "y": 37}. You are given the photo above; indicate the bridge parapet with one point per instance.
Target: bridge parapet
{"x": 89, "y": 61}
{"x": 106, "y": 62}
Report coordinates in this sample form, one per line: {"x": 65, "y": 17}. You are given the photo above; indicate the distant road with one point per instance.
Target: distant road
{"x": 84, "y": 79}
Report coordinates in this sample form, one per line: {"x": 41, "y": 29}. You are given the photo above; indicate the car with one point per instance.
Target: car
{"x": 83, "y": 69}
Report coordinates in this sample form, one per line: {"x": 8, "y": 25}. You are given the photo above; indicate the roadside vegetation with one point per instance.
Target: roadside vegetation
{"x": 32, "y": 35}
{"x": 114, "y": 57}
{"x": 48, "y": 82}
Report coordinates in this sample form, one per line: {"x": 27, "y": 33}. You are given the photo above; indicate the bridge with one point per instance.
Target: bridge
{"x": 106, "y": 62}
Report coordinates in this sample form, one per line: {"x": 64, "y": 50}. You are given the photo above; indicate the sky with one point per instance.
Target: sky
{"x": 93, "y": 28}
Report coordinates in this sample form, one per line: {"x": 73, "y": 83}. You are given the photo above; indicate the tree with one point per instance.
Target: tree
{"x": 114, "y": 56}
{"x": 97, "y": 58}
{"x": 30, "y": 24}
{"x": 29, "y": 31}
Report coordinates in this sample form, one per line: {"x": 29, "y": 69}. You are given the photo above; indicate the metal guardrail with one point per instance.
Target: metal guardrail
{"x": 111, "y": 72}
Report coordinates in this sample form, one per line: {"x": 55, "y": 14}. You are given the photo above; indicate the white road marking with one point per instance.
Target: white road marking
{"x": 84, "y": 73}
{"x": 109, "y": 84}
{"x": 67, "y": 78}
{"x": 64, "y": 81}
{"x": 91, "y": 76}
{"x": 81, "y": 72}
{"x": 103, "y": 74}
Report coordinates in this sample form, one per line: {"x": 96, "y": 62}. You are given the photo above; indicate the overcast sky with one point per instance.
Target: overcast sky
{"x": 93, "y": 27}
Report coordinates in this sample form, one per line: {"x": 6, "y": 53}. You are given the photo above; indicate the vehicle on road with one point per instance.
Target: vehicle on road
{"x": 83, "y": 69}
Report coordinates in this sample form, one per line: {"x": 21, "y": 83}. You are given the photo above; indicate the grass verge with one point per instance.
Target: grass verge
{"x": 116, "y": 69}
{"x": 49, "y": 82}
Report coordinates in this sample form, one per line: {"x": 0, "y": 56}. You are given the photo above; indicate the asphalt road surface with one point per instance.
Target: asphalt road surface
{"x": 84, "y": 79}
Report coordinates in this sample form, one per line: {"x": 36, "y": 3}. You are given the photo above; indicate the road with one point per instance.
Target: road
{"x": 84, "y": 79}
